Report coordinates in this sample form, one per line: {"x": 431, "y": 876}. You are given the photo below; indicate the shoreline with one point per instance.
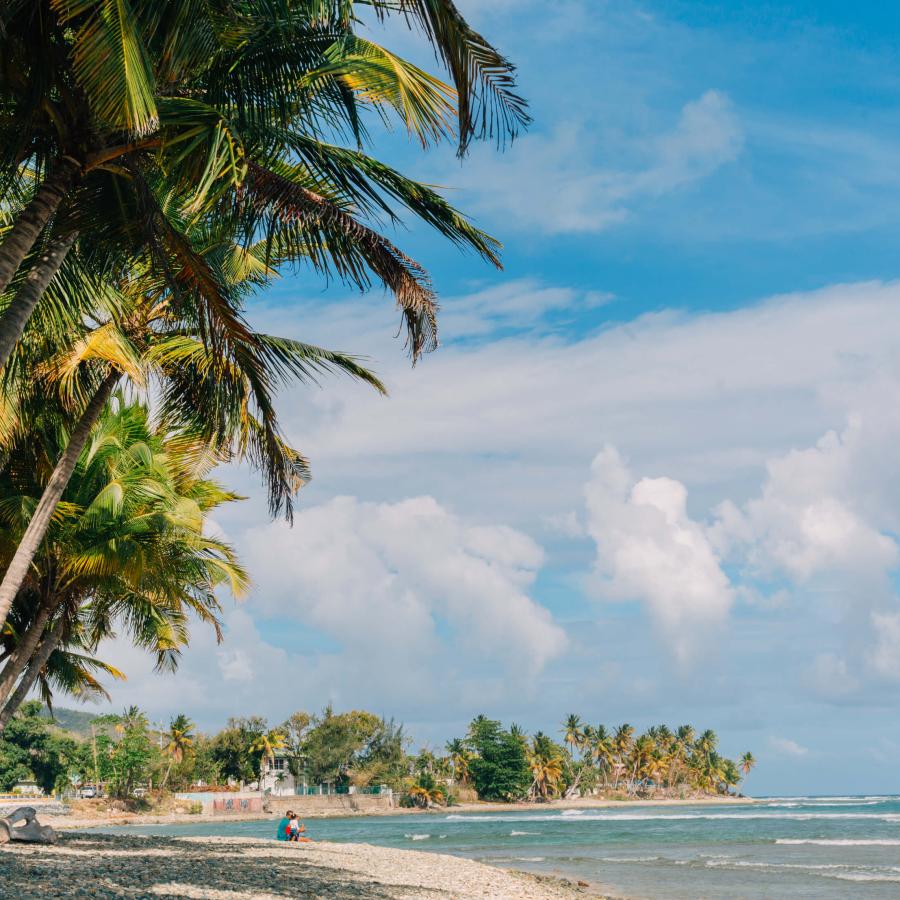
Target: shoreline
{"x": 73, "y": 822}
{"x": 112, "y": 866}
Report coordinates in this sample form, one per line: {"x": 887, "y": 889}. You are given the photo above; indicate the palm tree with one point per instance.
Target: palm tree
{"x": 132, "y": 717}
{"x": 424, "y": 792}
{"x": 518, "y": 733}
{"x": 460, "y": 757}
{"x": 642, "y": 759}
{"x": 278, "y": 81}
{"x": 165, "y": 93}
{"x": 180, "y": 741}
{"x": 622, "y": 743}
{"x": 574, "y": 736}
{"x": 546, "y": 764}
{"x": 265, "y": 744}
{"x": 747, "y": 762}
{"x": 129, "y": 547}
{"x": 602, "y": 751}
{"x": 730, "y": 776}
{"x": 146, "y": 340}
{"x": 706, "y": 744}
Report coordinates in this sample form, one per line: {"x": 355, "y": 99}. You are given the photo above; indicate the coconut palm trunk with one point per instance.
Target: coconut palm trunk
{"x": 24, "y": 650}
{"x": 39, "y": 660}
{"x": 31, "y": 221}
{"x": 37, "y": 527}
{"x": 15, "y": 317}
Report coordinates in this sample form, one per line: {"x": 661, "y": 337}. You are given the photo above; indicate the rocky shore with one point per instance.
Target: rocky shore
{"x": 105, "y": 866}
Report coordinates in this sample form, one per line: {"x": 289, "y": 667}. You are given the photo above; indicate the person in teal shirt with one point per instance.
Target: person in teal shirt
{"x": 284, "y": 827}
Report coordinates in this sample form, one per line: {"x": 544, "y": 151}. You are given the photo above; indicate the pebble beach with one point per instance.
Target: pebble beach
{"x": 104, "y": 866}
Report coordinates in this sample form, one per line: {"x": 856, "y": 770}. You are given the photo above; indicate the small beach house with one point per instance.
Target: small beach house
{"x": 278, "y": 777}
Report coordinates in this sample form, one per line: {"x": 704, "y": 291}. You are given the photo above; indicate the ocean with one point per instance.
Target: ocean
{"x": 783, "y": 847}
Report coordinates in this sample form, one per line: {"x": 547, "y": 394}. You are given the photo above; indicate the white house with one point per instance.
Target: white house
{"x": 277, "y": 778}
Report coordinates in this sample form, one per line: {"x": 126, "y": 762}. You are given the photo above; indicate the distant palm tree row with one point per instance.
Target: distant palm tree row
{"x": 658, "y": 758}
{"x": 161, "y": 163}
{"x": 597, "y": 760}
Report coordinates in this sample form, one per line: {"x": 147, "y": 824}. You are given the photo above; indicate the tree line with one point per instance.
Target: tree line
{"x": 162, "y": 164}
{"x": 507, "y": 764}
{"x": 360, "y": 749}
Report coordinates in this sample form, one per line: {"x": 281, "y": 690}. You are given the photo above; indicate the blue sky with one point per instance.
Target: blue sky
{"x": 651, "y": 475}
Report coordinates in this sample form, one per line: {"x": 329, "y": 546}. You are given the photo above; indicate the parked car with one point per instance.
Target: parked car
{"x": 88, "y": 792}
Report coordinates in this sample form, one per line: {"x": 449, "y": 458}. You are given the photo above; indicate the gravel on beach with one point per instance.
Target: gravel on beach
{"x": 103, "y": 866}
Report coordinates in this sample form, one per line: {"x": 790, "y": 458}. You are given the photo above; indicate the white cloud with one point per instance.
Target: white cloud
{"x": 649, "y": 549}
{"x": 830, "y": 678}
{"x": 235, "y": 665}
{"x": 506, "y": 432}
{"x": 384, "y": 578}
{"x": 818, "y": 525}
{"x": 884, "y": 657}
{"x": 806, "y": 522}
{"x": 708, "y": 399}
{"x": 364, "y": 604}
{"x": 554, "y": 182}
{"x": 517, "y": 305}
{"x": 714, "y": 401}
{"x": 787, "y": 747}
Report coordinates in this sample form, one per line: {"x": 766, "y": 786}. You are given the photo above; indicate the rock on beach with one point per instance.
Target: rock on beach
{"x": 102, "y": 866}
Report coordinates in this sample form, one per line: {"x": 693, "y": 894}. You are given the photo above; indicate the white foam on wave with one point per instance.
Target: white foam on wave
{"x": 529, "y": 858}
{"x": 519, "y": 833}
{"x": 842, "y": 842}
{"x": 864, "y": 876}
{"x": 572, "y": 812}
{"x": 630, "y": 859}
{"x": 674, "y": 817}
{"x": 417, "y": 837}
{"x": 843, "y": 799}
{"x": 748, "y": 864}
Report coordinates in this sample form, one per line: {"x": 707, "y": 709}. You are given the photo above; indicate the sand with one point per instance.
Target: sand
{"x": 106, "y": 866}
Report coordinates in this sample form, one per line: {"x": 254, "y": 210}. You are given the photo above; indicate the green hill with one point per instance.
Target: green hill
{"x": 76, "y": 721}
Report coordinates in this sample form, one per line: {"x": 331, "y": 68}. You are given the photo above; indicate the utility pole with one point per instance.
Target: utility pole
{"x": 96, "y": 769}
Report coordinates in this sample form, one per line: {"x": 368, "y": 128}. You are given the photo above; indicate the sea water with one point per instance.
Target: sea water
{"x": 782, "y": 847}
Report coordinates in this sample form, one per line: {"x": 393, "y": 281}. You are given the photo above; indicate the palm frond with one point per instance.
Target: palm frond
{"x": 111, "y": 62}
{"x": 489, "y": 105}
{"x": 333, "y": 240}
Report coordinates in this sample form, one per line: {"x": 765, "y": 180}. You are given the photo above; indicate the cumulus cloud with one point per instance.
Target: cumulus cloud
{"x": 568, "y": 191}
{"x": 506, "y": 432}
{"x": 385, "y": 578}
{"x": 649, "y": 549}
{"x": 806, "y": 522}
{"x": 687, "y": 395}
{"x": 816, "y": 525}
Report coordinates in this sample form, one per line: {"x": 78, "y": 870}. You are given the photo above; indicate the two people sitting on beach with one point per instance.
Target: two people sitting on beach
{"x": 290, "y": 828}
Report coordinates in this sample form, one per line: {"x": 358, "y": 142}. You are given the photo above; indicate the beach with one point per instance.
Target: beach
{"x": 103, "y": 866}
{"x": 785, "y": 847}
{"x": 99, "y": 814}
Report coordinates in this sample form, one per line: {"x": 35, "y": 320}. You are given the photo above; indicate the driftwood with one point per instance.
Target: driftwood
{"x": 31, "y": 832}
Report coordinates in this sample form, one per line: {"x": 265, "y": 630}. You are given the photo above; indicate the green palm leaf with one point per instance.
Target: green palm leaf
{"x": 111, "y": 61}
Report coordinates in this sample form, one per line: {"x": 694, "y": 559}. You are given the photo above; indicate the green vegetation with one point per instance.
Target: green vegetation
{"x": 76, "y": 721}
{"x": 163, "y": 162}
{"x": 498, "y": 765}
{"x": 358, "y": 749}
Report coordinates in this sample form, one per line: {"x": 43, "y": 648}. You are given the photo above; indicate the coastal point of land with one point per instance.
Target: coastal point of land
{"x": 106, "y": 866}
